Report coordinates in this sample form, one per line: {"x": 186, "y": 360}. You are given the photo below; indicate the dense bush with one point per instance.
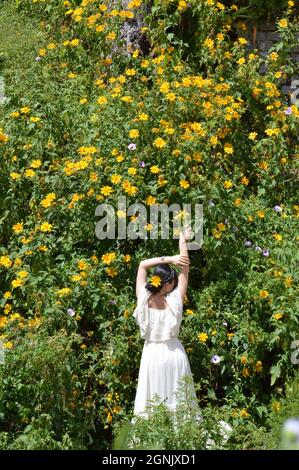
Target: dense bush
{"x": 209, "y": 124}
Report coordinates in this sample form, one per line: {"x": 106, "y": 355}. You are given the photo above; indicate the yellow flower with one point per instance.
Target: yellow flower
{"x": 244, "y": 360}
{"x": 230, "y": 335}
{"x": 164, "y": 88}
{"x": 150, "y": 200}
{"x": 227, "y": 184}
{"x": 202, "y": 337}
{"x": 189, "y": 311}
{"x": 120, "y": 213}
{"x": 159, "y": 143}
{"x": 108, "y": 258}
{"x": 273, "y": 56}
{"x": 244, "y": 413}
{"x": 261, "y": 214}
{"x": 111, "y": 36}
{"x": 29, "y": 173}
{"x": 8, "y": 345}
{"x": 112, "y": 272}
{"x": 35, "y": 163}
{"x": 277, "y": 236}
{"x": 228, "y": 148}
{"x": 23, "y": 274}
{"x": 171, "y": 96}
{"x": 106, "y": 190}
{"x": 155, "y": 169}
{"x": 14, "y": 175}
{"x": 134, "y": 133}
{"x": 245, "y": 372}
{"x": 115, "y": 179}
{"x": 64, "y": 291}
{"x": 258, "y": 366}
{"x": 288, "y": 281}
{"x": 17, "y": 228}
{"x": 276, "y": 406}
{"x": 127, "y": 258}
{"x": 155, "y": 281}
{"x": 264, "y": 294}
{"x": 283, "y": 23}
{"x": 17, "y": 283}
{"x": 48, "y": 200}
{"x": 42, "y": 248}
{"x": 130, "y": 72}
{"x": 102, "y": 100}
{"x": 143, "y": 117}
{"x": 214, "y": 140}
{"x": 25, "y": 110}
{"x": 252, "y": 135}
{"x": 184, "y": 184}
{"x": 271, "y": 132}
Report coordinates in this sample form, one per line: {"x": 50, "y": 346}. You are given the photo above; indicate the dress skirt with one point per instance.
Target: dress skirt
{"x": 162, "y": 366}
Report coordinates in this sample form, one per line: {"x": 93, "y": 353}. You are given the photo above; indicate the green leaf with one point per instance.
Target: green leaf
{"x": 275, "y": 373}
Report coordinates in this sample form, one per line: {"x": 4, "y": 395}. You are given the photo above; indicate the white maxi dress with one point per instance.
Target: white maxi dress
{"x": 164, "y": 361}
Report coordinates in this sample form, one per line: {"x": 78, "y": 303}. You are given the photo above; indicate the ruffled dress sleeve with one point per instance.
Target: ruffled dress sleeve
{"x": 141, "y": 311}
{"x": 175, "y": 302}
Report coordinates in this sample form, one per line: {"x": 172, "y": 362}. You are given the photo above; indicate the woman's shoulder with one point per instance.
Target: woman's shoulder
{"x": 175, "y": 296}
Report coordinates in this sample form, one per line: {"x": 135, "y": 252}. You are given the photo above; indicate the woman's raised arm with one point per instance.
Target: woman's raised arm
{"x": 184, "y": 274}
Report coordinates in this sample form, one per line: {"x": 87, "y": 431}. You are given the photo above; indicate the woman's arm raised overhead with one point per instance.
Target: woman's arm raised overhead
{"x": 184, "y": 274}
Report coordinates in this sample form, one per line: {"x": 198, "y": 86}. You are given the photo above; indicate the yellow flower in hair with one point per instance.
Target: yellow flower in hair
{"x": 155, "y": 281}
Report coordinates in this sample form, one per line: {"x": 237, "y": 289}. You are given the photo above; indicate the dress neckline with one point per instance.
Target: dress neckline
{"x": 159, "y": 309}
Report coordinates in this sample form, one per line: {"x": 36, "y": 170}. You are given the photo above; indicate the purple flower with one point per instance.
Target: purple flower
{"x": 211, "y": 203}
{"x": 278, "y": 209}
{"x": 38, "y": 58}
{"x": 247, "y": 243}
{"x": 288, "y": 111}
{"x": 224, "y": 323}
{"x": 112, "y": 302}
{"x": 142, "y": 164}
{"x": 71, "y": 312}
{"x": 215, "y": 359}
{"x": 258, "y": 248}
{"x": 266, "y": 252}
{"x": 132, "y": 146}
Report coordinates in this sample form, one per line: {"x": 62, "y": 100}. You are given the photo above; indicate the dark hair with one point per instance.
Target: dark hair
{"x": 166, "y": 274}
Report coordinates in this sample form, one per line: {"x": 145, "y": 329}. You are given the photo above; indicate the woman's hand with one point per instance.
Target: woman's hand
{"x": 180, "y": 260}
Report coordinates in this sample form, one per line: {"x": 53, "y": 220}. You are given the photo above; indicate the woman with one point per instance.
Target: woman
{"x": 159, "y": 314}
